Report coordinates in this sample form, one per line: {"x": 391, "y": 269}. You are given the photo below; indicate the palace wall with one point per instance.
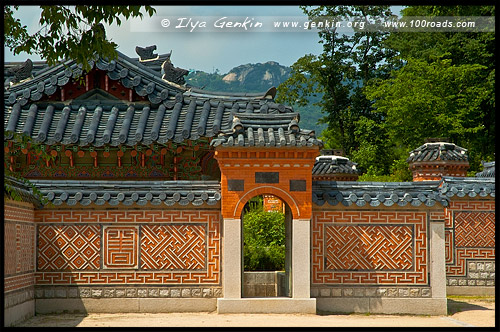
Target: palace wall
{"x": 378, "y": 259}
{"x": 19, "y": 261}
{"x": 147, "y": 259}
{"x": 470, "y": 246}
{"x": 150, "y": 258}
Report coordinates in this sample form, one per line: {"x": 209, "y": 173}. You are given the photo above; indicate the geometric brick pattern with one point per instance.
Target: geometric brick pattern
{"x": 19, "y": 245}
{"x": 173, "y": 247}
{"x": 121, "y": 249}
{"x": 153, "y": 234}
{"x": 18, "y": 281}
{"x": 65, "y": 247}
{"x": 475, "y": 229}
{"x": 345, "y": 243}
{"x": 124, "y": 216}
{"x": 10, "y": 252}
{"x": 25, "y": 247}
{"x": 369, "y": 247}
{"x": 469, "y": 235}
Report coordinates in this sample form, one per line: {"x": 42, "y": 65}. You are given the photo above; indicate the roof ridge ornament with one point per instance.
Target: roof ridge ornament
{"x": 22, "y": 72}
{"x": 146, "y": 53}
{"x": 173, "y": 74}
{"x": 271, "y": 93}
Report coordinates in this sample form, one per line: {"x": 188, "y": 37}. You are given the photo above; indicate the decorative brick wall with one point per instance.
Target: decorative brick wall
{"x": 248, "y": 172}
{"x": 19, "y": 260}
{"x": 470, "y": 243}
{"x": 120, "y": 253}
{"x": 370, "y": 253}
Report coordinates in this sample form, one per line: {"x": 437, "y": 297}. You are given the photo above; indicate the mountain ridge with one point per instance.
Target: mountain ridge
{"x": 256, "y": 77}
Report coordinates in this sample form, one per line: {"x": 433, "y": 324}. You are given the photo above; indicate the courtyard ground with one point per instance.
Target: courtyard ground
{"x": 462, "y": 312}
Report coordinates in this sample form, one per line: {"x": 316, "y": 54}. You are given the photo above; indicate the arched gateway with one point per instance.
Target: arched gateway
{"x": 147, "y": 181}
{"x": 284, "y": 171}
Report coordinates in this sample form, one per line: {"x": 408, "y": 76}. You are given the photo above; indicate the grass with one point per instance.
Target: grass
{"x": 484, "y": 298}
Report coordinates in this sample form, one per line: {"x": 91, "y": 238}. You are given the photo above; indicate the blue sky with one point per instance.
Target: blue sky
{"x": 205, "y": 51}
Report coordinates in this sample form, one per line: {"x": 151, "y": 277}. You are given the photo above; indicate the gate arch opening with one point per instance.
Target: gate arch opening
{"x": 266, "y": 247}
{"x": 270, "y": 190}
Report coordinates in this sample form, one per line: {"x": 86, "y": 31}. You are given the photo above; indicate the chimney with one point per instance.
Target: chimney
{"x": 438, "y": 158}
{"x": 333, "y": 166}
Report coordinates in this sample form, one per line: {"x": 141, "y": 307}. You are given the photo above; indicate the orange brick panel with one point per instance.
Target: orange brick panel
{"x": 242, "y": 164}
{"x": 135, "y": 247}
{"x": 369, "y": 247}
{"x": 470, "y": 234}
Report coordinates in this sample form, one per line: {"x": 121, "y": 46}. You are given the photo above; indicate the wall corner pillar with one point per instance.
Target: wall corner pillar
{"x": 231, "y": 258}
{"x": 301, "y": 258}
{"x": 438, "y": 265}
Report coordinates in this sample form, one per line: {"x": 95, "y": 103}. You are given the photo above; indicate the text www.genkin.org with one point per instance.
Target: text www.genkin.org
{"x": 194, "y": 24}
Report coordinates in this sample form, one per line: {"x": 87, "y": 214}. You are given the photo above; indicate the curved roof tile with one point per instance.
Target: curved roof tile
{"x": 472, "y": 187}
{"x": 488, "y": 170}
{"x": 175, "y": 112}
{"x": 270, "y": 129}
{"x": 326, "y": 165}
{"x": 437, "y": 151}
{"x": 73, "y": 192}
{"x": 350, "y": 193}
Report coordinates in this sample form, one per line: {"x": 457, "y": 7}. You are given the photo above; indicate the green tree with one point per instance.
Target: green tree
{"x": 443, "y": 86}
{"x": 264, "y": 237}
{"x": 339, "y": 73}
{"x": 68, "y": 32}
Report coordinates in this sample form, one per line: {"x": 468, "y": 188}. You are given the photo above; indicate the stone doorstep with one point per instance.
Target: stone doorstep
{"x": 276, "y": 305}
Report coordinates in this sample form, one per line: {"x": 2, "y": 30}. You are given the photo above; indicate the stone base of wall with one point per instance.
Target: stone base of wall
{"x": 479, "y": 280}
{"x": 386, "y": 300}
{"x": 376, "y": 292}
{"x": 413, "y": 306}
{"x": 471, "y": 290}
{"x": 125, "y": 305}
{"x": 18, "y": 306}
{"x": 109, "y": 299}
{"x": 97, "y": 292}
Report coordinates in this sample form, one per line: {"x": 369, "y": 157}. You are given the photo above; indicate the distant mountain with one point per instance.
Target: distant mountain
{"x": 258, "y": 77}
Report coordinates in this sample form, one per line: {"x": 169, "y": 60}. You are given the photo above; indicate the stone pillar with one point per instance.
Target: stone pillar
{"x": 438, "y": 265}
{"x": 301, "y": 258}
{"x": 231, "y": 258}
{"x": 300, "y": 302}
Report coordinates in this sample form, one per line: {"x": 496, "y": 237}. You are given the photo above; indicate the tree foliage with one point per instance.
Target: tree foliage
{"x": 444, "y": 86}
{"x": 19, "y": 144}
{"x": 385, "y": 93}
{"x": 264, "y": 239}
{"x": 68, "y": 32}
{"x": 347, "y": 62}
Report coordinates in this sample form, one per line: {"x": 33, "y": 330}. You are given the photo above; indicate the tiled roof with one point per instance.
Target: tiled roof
{"x": 348, "y": 193}
{"x": 469, "y": 186}
{"x": 438, "y": 151}
{"x": 73, "y": 192}
{"x": 175, "y": 112}
{"x": 23, "y": 191}
{"x": 266, "y": 127}
{"x": 115, "y": 122}
{"x": 326, "y": 165}
{"x": 488, "y": 170}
